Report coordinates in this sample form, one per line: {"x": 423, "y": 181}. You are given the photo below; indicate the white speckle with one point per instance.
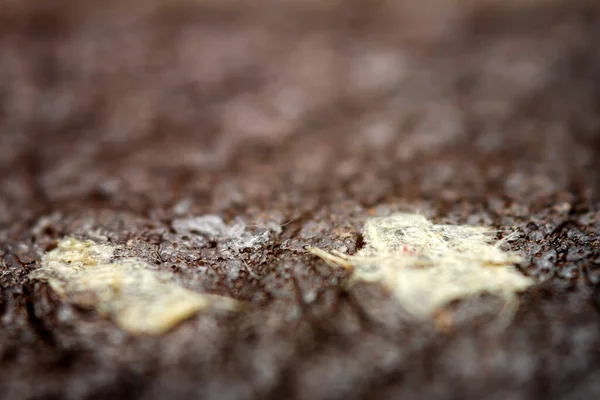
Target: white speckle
{"x": 242, "y": 239}
{"x": 182, "y": 207}
{"x": 211, "y": 226}
{"x": 376, "y": 70}
{"x": 309, "y": 296}
{"x": 233, "y": 269}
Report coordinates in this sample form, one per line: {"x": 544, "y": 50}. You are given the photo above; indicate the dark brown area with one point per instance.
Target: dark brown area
{"x": 301, "y": 122}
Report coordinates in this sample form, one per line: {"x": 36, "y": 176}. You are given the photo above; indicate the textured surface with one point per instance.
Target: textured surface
{"x": 129, "y": 291}
{"x": 218, "y": 143}
{"x": 427, "y": 266}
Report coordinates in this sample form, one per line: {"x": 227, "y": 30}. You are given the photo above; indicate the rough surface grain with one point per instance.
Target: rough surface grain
{"x": 293, "y": 125}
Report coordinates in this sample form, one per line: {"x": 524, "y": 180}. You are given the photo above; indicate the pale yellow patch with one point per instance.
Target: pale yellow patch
{"x": 426, "y": 265}
{"x": 138, "y": 299}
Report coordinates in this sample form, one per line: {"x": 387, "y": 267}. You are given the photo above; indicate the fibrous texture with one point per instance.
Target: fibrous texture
{"x": 426, "y": 265}
{"x": 138, "y": 299}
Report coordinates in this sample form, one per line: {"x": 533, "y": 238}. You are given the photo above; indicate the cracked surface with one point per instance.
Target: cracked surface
{"x": 291, "y": 128}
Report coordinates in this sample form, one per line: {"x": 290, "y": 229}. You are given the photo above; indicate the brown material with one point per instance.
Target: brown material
{"x": 294, "y": 126}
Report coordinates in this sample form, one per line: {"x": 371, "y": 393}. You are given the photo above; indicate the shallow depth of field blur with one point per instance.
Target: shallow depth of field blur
{"x": 295, "y": 121}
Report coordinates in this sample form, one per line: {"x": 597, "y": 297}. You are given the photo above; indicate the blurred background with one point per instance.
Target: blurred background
{"x": 141, "y": 104}
{"x": 128, "y": 119}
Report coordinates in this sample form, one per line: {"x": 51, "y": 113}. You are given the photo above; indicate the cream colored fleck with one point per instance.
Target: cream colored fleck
{"x": 427, "y": 266}
{"x": 139, "y": 299}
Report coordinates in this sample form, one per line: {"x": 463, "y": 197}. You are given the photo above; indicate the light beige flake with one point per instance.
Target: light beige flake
{"x": 139, "y": 299}
{"x": 426, "y": 265}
